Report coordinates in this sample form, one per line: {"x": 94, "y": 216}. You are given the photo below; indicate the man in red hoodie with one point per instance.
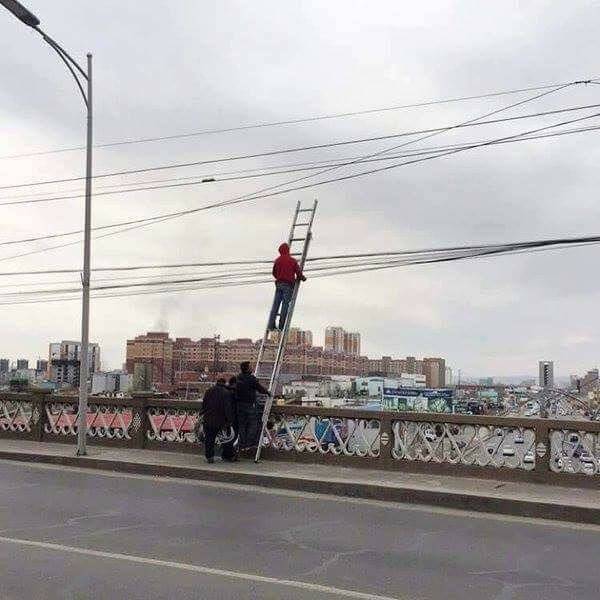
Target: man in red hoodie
{"x": 286, "y": 271}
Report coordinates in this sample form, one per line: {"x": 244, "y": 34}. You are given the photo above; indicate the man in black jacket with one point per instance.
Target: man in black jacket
{"x": 245, "y": 396}
{"x": 218, "y": 414}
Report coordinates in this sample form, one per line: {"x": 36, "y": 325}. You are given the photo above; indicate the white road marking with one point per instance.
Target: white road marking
{"x": 303, "y": 585}
{"x": 66, "y": 523}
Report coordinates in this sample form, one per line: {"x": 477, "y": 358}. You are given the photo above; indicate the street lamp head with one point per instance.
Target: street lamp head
{"x": 24, "y": 15}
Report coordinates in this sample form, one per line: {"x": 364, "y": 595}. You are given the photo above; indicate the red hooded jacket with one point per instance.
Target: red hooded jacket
{"x": 286, "y": 268}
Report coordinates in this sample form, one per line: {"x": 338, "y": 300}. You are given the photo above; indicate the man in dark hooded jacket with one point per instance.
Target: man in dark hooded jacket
{"x": 217, "y": 410}
{"x": 286, "y": 271}
{"x": 247, "y": 385}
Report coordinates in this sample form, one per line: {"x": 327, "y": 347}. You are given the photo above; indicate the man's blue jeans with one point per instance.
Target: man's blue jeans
{"x": 283, "y": 296}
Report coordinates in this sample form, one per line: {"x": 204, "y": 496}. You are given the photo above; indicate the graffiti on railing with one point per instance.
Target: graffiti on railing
{"x": 174, "y": 425}
{"x": 464, "y": 443}
{"x": 17, "y": 416}
{"x": 327, "y": 435}
{"x": 112, "y": 422}
{"x": 61, "y": 418}
{"x": 103, "y": 421}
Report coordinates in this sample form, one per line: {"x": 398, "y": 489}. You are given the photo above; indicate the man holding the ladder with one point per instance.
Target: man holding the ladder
{"x": 286, "y": 271}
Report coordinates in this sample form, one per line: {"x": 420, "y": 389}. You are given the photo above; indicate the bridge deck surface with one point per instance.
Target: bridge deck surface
{"x": 73, "y": 533}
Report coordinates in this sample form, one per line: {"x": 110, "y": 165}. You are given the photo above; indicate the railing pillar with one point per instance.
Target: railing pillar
{"x": 542, "y": 441}
{"x": 140, "y": 413}
{"x": 386, "y": 438}
{"x": 38, "y": 418}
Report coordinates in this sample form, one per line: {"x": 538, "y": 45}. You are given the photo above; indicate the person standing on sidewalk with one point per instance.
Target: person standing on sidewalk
{"x": 286, "y": 271}
{"x": 218, "y": 414}
{"x": 245, "y": 395}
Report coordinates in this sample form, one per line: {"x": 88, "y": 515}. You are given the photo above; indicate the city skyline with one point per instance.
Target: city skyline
{"x": 560, "y": 375}
{"x": 170, "y": 362}
{"x": 300, "y": 335}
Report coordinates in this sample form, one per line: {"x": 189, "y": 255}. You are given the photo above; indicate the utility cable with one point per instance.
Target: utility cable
{"x": 209, "y": 179}
{"x": 367, "y": 260}
{"x": 282, "y": 168}
{"x": 470, "y": 123}
{"x": 290, "y": 121}
{"x": 134, "y": 224}
{"x": 249, "y": 197}
{"x": 265, "y": 261}
{"x": 221, "y": 284}
{"x": 257, "y": 196}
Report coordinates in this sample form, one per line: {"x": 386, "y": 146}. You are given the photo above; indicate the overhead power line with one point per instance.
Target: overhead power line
{"x": 329, "y": 270}
{"x": 471, "y": 123}
{"x": 271, "y": 170}
{"x": 327, "y": 259}
{"x": 267, "y": 124}
{"x": 257, "y": 196}
{"x": 136, "y": 223}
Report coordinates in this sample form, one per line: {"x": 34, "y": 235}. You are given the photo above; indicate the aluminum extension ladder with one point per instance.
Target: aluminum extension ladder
{"x": 300, "y": 233}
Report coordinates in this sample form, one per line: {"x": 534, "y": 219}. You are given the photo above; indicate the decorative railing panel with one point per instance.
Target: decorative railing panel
{"x": 325, "y": 435}
{"x": 110, "y": 422}
{"x": 464, "y": 443}
{"x": 18, "y": 416}
{"x": 61, "y": 418}
{"x": 175, "y": 425}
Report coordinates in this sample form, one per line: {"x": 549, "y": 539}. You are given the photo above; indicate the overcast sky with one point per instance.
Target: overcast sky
{"x": 164, "y": 68}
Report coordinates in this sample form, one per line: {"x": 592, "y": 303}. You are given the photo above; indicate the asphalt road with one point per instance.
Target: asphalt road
{"x": 66, "y": 533}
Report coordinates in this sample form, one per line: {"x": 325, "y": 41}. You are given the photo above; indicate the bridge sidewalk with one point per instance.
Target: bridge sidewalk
{"x": 464, "y": 493}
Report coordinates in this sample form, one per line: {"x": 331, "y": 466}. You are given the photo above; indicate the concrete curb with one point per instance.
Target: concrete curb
{"x": 353, "y": 489}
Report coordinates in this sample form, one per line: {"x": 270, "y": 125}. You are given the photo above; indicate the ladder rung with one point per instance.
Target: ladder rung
{"x": 297, "y": 239}
{"x": 305, "y": 210}
{"x": 301, "y": 224}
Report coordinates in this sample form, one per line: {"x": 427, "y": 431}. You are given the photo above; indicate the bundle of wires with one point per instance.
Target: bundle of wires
{"x": 180, "y": 277}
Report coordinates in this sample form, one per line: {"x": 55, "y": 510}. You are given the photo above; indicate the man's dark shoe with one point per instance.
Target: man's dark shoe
{"x": 210, "y": 461}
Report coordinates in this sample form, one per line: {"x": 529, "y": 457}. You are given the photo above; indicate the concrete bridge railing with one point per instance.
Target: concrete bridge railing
{"x": 542, "y": 450}
{"x": 141, "y": 422}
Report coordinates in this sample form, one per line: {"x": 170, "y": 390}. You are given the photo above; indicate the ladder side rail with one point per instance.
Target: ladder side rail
{"x": 283, "y": 340}
{"x": 308, "y": 235}
{"x": 288, "y": 320}
{"x": 261, "y": 351}
{"x": 275, "y": 373}
{"x": 276, "y": 370}
{"x": 294, "y": 221}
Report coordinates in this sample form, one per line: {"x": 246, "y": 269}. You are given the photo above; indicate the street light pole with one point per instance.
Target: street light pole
{"x": 79, "y": 74}
{"x": 84, "y": 365}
